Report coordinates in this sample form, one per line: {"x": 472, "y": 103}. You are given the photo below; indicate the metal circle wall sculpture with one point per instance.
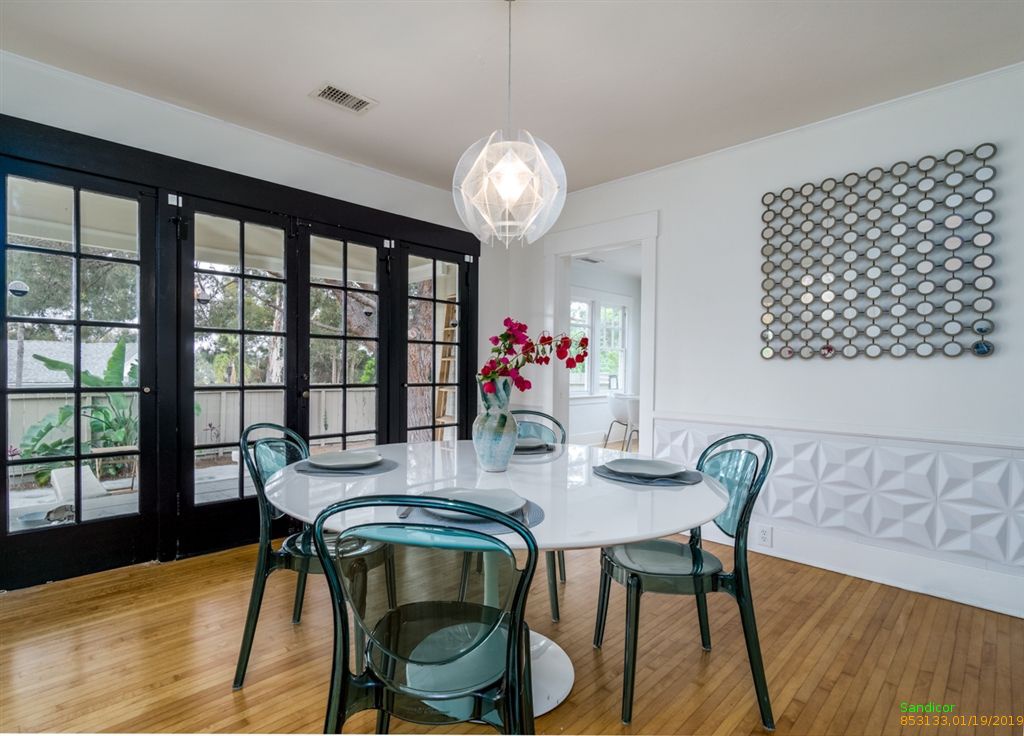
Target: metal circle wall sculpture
{"x": 897, "y": 262}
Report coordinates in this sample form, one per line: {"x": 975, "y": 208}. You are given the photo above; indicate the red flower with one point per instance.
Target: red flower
{"x": 570, "y": 363}
{"x": 584, "y": 341}
{"x": 546, "y": 339}
{"x": 489, "y": 387}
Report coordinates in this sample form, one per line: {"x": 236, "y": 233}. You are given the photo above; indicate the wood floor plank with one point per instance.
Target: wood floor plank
{"x": 153, "y": 648}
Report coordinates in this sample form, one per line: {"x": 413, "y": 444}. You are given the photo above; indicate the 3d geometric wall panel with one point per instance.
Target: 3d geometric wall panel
{"x": 962, "y": 503}
{"x": 895, "y": 261}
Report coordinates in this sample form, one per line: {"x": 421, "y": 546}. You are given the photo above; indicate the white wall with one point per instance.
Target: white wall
{"x": 707, "y": 364}
{"x": 709, "y": 279}
{"x": 52, "y": 96}
{"x": 589, "y": 417}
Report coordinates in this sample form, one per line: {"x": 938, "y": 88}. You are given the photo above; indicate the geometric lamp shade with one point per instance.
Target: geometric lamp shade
{"x": 509, "y": 190}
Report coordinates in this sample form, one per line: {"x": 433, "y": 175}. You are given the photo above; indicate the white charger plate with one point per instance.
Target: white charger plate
{"x": 530, "y": 443}
{"x": 347, "y": 460}
{"x": 504, "y": 500}
{"x": 644, "y": 468}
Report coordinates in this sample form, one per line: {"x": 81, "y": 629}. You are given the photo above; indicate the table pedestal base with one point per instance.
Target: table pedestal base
{"x": 552, "y": 672}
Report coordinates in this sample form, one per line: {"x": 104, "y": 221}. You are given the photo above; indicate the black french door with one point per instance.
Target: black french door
{"x": 81, "y": 375}
{"x": 154, "y": 307}
{"x": 435, "y": 295}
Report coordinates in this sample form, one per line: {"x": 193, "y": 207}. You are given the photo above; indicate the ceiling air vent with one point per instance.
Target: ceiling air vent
{"x": 341, "y": 98}
{"x": 589, "y": 259}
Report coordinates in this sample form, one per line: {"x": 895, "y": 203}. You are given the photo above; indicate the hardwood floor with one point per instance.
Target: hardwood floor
{"x": 153, "y": 648}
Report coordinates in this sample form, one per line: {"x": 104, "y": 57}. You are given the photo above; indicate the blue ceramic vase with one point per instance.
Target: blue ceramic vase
{"x": 495, "y": 430}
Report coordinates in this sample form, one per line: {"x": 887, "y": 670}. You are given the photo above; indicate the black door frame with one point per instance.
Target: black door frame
{"x": 64, "y": 550}
{"x": 169, "y": 178}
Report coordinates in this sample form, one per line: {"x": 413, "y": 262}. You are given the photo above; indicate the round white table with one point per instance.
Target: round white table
{"x": 581, "y": 510}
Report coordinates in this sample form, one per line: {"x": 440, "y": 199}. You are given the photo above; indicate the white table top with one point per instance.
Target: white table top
{"x": 581, "y": 509}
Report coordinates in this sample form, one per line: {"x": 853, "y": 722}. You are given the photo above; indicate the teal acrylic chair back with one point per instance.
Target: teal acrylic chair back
{"x": 273, "y": 454}
{"x": 737, "y": 470}
{"x": 436, "y": 651}
{"x": 554, "y": 434}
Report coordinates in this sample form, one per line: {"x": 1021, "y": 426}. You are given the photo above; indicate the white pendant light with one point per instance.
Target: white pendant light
{"x": 509, "y": 187}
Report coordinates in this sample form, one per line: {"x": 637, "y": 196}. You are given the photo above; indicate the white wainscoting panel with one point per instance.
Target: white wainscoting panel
{"x": 915, "y": 504}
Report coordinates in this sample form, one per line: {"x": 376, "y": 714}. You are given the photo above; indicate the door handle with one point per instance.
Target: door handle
{"x": 147, "y": 390}
{"x": 305, "y": 394}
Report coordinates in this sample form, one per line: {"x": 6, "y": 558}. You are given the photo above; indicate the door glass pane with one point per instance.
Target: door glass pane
{"x": 264, "y": 250}
{"x": 264, "y": 306}
{"x": 325, "y": 311}
{"x": 361, "y": 409}
{"x": 447, "y": 364}
{"x": 362, "y": 314}
{"x": 216, "y": 415}
{"x": 361, "y": 441}
{"x": 216, "y": 359}
{"x": 362, "y": 266}
{"x": 326, "y": 360}
{"x": 109, "y": 422}
{"x": 216, "y": 301}
{"x": 448, "y": 434}
{"x": 421, "y": 435}
{"x": 264, "y": 360}
{"x": 447, "y": 280}
{"x": 325, "y": 411}
{"x": 40, "y": 285}
{"x": 330, "y": 444}
{"x": 216, "y": 475}
{"x": 110, "y": 225}
{"x": 110, "y": 486}
{"x": 326, "y": 261}
{"x": 40, "y": 355}
{"x": 109, "y": 356}
{"x": 35, "y": 500}
{"x": 109, "y": 291}
{"x": 421, "y": 277}
{"x": 421, "y": 315}
{"x": 446, "y": 409}
{"x": 39, "y": 214}
{"x": 447, "y": 316}
{"x": 420, "y": 362}
{"x": 420, "y": 407}
{"x": 217, "y": 243}
{"x": 362, "y": 361}
{"x": 40, "y": 425}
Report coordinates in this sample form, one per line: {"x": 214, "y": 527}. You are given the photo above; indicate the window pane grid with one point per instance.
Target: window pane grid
{"x": 73, "y": 424}
{"x": 344, "y": 342}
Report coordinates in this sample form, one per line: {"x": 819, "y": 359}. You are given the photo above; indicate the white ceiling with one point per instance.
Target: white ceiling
{"x": 615, "y": 87}
{"x": 627, "y": 261}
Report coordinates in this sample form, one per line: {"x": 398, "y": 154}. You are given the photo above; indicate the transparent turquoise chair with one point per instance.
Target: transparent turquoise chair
{"x": 552, "y": 432}
{"x": 264, "y": 457}
{"x": 441, "y": 652}
{"x": 667, "y": 566}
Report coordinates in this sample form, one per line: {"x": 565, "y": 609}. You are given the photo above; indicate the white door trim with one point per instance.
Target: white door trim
{"x": 559, "y": 247}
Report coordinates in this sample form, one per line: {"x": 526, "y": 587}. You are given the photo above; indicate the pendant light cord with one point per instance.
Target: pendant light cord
{"x": 508, "y": 100}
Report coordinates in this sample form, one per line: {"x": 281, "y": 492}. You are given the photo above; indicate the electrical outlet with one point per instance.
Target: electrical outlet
{"x": 763, "y": 535}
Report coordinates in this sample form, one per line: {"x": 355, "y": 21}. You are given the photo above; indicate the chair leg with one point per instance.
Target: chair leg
{"x": 702, "y": 616}
{"x": 561, "y": 565}
{"x": 383, "y": 721}
{"x": 551, "y": 564}
{"x": 390, "y": 578}
{"x": 464, "y": 578}
{"x": 259, "y": 584}
{"x": 300, "y": 594}
{"x": 608, "y": 435}
{"x": 526, "y": 724}
{"x": 633, "y": 592}
{"x": 359, "y": 575}
{"x": 754, "y": 654}
{"x": 602, "y": 608}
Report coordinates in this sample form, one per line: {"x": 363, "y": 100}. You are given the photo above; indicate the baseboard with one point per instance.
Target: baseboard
{"x": 989, "y": 589}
